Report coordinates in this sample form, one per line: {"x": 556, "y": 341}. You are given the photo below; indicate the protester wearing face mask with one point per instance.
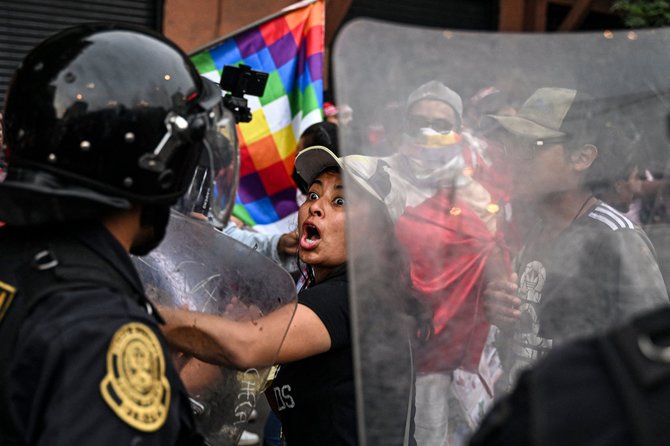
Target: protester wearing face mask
{"x": 442, "y": 203}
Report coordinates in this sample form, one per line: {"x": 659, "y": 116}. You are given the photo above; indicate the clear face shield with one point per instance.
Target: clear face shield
{"x": 211, "y": 194}
{"x": 476, "y": 204}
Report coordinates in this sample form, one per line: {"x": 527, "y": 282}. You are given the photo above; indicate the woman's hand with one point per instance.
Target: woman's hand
{"x": 288, "y": 244}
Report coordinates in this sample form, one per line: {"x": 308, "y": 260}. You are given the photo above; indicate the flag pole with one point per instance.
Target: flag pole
{"x": 287, "y": 9}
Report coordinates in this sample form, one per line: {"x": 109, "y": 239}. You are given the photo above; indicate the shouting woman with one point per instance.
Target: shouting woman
{"x": 313, "y": 392}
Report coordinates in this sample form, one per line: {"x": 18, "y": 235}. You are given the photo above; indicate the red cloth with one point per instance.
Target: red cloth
{"x": 496, "y": 178}
{"x": 448, "y": 251}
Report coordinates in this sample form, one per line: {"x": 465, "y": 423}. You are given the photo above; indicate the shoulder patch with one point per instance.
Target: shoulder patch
{"x": 614, "y": 219}
{"x": 135, "y": 386}
{"x": 7, "y": 293}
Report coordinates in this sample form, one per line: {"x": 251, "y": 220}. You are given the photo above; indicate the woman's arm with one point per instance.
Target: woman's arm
{"x": 245, "y": 344}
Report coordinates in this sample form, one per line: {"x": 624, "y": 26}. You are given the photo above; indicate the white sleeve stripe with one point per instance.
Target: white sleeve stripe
{"x": 628, "y": 223}
{"x": 605, "y": 220}
{"x": 619, "y": 219}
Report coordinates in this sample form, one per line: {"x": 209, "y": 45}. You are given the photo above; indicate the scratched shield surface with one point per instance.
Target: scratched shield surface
{"x": 465, "y": 193}
{"x": 198, "y": 268}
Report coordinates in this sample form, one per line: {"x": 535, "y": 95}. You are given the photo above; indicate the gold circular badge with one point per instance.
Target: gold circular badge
{"x": 135, "y": 386}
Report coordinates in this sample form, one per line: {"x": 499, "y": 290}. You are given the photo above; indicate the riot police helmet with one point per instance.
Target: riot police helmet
{"x": 103, "y": 116}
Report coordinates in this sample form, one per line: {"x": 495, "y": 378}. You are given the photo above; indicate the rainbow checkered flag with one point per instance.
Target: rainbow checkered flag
{"x": 288, "y": 46}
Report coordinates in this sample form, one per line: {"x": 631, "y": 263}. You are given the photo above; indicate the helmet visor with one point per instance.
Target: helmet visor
{"x": 211, "y": 194}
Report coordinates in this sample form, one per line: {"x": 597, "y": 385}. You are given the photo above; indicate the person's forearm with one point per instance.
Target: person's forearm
{"x": 218, "y": 340}
{"x": 186, "y": 331}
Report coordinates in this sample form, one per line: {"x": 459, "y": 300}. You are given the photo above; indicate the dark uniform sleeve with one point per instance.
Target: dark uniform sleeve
{"x": 330, "y": 302}
{"x": 92, "y": 375}
{"x": 567, "y": 399}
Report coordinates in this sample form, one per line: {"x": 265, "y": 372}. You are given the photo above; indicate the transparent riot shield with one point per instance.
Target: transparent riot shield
{"x": 538, "y": 179}
{"x": 198, "y": 268}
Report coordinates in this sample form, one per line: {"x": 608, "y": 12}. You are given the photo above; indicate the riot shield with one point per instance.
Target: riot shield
{"x": 541, "y": 175}
{"x": 198, "y": 268}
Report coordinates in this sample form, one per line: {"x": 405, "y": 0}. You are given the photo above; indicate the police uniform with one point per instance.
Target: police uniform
{"x": 82, "y": 356}
{"x": 102, "y": 121}
{"x": 609, "y": 390}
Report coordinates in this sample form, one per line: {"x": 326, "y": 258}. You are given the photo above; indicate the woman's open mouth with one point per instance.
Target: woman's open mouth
{"x": 310, "y": 236}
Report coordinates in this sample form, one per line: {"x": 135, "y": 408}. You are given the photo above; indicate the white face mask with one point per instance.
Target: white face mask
{"x": 432, "y": 147}
{"x": 438, "y": 163}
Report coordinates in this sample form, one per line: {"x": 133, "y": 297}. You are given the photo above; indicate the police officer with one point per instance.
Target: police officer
{"x": 608, "y": 389}
{"x": 104, "y": 127}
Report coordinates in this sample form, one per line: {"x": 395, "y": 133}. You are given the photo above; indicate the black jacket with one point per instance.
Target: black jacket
{"x": 82, "y": 360}
{"x": 606, "y": 390}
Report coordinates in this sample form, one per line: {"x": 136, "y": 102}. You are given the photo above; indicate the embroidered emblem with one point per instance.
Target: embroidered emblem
{"x": 135, "y": 386}
{"x": 6, "y": 296}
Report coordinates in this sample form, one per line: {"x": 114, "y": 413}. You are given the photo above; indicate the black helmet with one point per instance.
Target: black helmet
{"x": 103, "y": 115}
